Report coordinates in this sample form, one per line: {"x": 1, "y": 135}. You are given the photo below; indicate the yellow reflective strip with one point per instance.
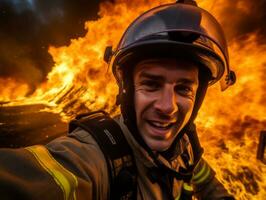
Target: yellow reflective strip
{"x": 206, "y": 175}
{"x": 64, "y": 178}
{"x": 201, "y": 172}
{"x": 179, "y": 194}
{"x": 187, "y": 187}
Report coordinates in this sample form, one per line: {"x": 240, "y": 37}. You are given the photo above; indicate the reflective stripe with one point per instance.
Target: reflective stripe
{"x": 187, "y": 187}
{"x": 204, "y": 175}
{"x": 201, "y": 172}
{"x": 179, "y": 194}
{"x": 64, "y": 178}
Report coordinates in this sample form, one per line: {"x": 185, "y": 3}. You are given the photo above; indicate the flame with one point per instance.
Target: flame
{"x": 228, "y": 128}
{"x": 12, "y": 89}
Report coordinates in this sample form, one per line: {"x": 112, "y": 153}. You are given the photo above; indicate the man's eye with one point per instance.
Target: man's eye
{"x": 150, "y": 84}
{"x": 184, "y": 90}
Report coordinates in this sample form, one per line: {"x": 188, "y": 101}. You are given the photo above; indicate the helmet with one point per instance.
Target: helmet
{"x": 173, "y": 29}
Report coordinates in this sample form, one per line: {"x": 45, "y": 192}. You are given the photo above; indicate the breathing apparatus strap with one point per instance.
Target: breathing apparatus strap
{"x": 112, "y": 142}
{"x": 194, "y": 141}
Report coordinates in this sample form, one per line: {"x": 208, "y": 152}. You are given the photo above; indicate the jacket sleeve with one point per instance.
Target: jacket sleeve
{"x": 70, "y": 167}
{"x": 205, "y": 184}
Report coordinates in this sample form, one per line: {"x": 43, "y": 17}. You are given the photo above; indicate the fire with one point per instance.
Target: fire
{"x": 12, "y": 90}
{"x": 228, "y": 123}
{"x": 229, "y": 128}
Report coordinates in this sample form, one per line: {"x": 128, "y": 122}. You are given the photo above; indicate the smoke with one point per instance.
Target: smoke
{"x": 240, "y": 18}
{"x": 29, "y": 27}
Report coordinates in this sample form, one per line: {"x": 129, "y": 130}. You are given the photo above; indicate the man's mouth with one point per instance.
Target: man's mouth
{"x": 161, "y": 125}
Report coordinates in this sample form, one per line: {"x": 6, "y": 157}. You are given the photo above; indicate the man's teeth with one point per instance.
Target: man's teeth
{"x": 161, "y": 125}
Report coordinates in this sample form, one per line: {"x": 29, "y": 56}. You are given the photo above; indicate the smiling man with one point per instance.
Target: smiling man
{"x": 163, "y": 65}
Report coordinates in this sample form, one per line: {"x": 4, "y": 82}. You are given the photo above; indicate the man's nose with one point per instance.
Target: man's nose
{"x": 166, "y": 103}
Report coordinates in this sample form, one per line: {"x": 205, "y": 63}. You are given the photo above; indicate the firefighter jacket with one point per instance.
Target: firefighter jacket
{"x": 74, "y": 167}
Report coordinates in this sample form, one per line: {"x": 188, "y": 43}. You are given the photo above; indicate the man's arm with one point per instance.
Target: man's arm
{"x": 64, "y": 169}
{"x": 22, "y": 177}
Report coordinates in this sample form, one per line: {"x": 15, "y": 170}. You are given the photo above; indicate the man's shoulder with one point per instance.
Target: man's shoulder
{"x": 100, "y": 136}
{"x": 82, "y": 136}
{"x": 79, "y": 153}
{"x": 78, "y": 144}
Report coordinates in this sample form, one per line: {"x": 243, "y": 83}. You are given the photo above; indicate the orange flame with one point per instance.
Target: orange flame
{"x": 228, "y": 123}
{"x": 12, "y": 89}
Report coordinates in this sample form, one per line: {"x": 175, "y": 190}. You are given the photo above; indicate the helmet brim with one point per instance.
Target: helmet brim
{"x": 171, "y": 49}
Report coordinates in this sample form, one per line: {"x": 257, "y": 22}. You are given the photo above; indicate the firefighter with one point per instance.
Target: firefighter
{"x": 163, "y": 65}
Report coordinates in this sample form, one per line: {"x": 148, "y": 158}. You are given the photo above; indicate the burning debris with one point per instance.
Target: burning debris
{"x": 28, "y": 125}
{"x": 228, "y": 123}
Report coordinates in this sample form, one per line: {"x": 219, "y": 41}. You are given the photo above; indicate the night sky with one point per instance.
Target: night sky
{"x": 29, "y": 27}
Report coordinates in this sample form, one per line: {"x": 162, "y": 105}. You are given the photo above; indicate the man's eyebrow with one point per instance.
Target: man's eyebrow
{"x": 161, "y": 78}
{"x": 187, "y": 81}
{"x": 150, "y": 76}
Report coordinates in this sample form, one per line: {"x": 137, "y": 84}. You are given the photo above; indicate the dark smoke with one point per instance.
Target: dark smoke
{"x": 240, "y": 18}
{"x": 28, "y": 27}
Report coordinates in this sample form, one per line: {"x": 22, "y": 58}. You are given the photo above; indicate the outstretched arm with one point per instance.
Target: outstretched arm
{"x": 64, "y": 169}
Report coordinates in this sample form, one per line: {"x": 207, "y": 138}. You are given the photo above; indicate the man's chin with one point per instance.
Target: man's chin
{"x": 158, "y": 146}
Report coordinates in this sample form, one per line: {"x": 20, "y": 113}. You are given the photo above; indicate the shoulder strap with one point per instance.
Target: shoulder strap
{"x": 112, "y": 142}
{"x": 195, "y": 144}
{"x": 197, "y": 151}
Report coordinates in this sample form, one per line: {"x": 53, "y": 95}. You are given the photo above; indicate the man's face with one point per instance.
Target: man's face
{"x": 165, "y": 91}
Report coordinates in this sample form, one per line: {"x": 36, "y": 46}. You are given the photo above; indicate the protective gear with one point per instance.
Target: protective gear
{"x": 173, "y": 29}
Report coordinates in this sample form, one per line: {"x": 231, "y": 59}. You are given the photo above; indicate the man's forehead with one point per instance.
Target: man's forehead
{"x": 173, "y": 63}
{"x": 170, "y": 70}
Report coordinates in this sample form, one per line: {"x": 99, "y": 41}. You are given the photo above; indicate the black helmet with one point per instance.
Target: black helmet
{"x": 173, "y": 29}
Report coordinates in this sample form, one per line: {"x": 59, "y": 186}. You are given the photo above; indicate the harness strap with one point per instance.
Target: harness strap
{"x": 112, "y": 142}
